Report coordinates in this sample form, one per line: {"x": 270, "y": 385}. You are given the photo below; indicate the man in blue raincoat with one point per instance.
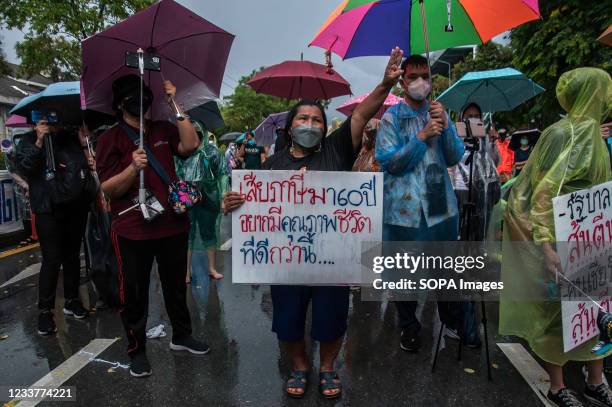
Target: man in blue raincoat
{"x": 415, "y": 145}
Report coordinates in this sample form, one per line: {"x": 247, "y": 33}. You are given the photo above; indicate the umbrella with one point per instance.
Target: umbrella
{"x": 208, "y": 114}
{"x": 498, "y": 90}
{"x": 300, "y": 80}
{"x": 193, "y": 53}
{"x": 373, "y": 27}
{"x": 606, "y": 37}
{"x": 65, "y": 99}
{"x": 16, "y": 121}
{"x": 348, "y": 107}
{"x": 532, "y": 134}
{"x": 265, "y": 133}
{"x": 229, "y": 137}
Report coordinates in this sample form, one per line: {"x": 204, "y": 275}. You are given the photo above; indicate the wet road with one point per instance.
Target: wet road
{"x": 245, "y": 367}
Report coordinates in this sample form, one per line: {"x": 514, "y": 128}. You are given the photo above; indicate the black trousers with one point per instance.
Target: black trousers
{"x": 60, "y": 235}
{"x": 135, "y": 259}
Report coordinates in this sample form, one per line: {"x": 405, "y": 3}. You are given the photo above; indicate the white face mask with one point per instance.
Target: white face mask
{"x": 419, "y": 89}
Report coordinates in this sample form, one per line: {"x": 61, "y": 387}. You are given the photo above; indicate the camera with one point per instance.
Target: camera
{"x": 44, "y": 115}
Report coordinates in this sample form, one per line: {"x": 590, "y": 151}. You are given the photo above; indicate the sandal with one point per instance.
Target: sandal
{"x": 326, "y": 382}
{"x": 297, "y": 380}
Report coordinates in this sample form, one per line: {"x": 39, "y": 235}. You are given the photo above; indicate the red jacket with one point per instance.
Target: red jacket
{"x": 507, "y": 157}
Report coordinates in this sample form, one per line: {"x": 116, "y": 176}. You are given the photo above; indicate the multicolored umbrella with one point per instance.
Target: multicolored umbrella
{"x": 347, "y": 107}
{"x": 300, "y": 80}
{"x": 373, "y": 27}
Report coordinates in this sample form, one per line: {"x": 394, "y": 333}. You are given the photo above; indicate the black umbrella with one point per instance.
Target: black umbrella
{"x": 208, "y": 114}
{"x": 532, "y": 134}
{"x": 229, "y": 137}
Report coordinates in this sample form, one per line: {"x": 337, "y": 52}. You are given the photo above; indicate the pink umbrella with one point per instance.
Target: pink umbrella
{"x": 300, "y": 80}
{"x": 193, "y": 55}
{"x": 348, "y": 107}
{"x": 17, "y": 121}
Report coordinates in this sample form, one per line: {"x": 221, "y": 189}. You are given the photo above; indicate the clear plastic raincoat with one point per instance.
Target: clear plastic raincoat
{"x": 208, "y": 168}
{"x": 569, "y": 156}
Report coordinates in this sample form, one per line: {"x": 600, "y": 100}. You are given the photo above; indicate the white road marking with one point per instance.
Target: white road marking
{"x": 227, "y": 245}
{"x": 69, "y": 368}
{"x": 25, "y": 273}
{"x": 535, "y": 376}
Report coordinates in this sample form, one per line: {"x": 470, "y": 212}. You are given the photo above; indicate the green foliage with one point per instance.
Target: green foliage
{"x": 55, "y": 29}
{"x": 245, "y": 108}
{"x": 565, "y": 38}
{"x": 4, "y": 68}
{"x": 488, "y": 56}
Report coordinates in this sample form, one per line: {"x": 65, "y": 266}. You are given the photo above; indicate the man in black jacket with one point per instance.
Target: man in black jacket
{"x": 54, "y": 163}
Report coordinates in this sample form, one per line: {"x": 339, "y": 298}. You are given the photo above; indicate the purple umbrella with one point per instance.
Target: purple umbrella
{"x": 193, "y": 56}
{"x": 265, "y": 133}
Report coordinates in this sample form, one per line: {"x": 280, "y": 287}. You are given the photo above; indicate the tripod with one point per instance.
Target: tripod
{"x": 467, "y": 235}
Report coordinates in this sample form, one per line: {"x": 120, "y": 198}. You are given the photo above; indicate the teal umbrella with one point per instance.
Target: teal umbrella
{"x": 498, "y": 90}
{"x": 65, "y": 99}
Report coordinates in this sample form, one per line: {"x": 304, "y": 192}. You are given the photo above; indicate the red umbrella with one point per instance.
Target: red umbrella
{"x": 348, "y": 107}
{"x": 300, "y": 80}
{"x": 193, "y": 54}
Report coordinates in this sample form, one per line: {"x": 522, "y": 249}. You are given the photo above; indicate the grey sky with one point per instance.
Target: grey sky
{"x": 268, "y": 32}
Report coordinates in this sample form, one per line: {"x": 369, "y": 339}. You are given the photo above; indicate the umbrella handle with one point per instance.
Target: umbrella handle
{"x": 426, "y": 38}
{"x": 173, "y": 106}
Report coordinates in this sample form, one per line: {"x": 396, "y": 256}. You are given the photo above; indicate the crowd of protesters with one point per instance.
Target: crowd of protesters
{"x": 431, "y": 174}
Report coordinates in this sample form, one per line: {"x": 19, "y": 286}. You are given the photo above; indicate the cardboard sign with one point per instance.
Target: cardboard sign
{"x": 304, "y": 227}
{"x": 583, "y": 228}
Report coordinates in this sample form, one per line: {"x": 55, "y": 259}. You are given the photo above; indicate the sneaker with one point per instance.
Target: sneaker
{"x": 451, "y": 333}
{"x": 600, "y": 396}
{"x": 565, "y": 398}
{"x": 76, "y": 309}
{"x": 191, "y": 345}
{"x": 410, "y": 340}
{"x": 140, "y": 366}
{"x": 46, "y": 324}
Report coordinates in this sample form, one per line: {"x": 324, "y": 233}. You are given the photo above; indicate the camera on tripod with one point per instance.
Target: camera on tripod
{"x": 471, "y": 131}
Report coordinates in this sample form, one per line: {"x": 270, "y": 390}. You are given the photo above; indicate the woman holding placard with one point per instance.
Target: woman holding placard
{"x": 310, "y": 150}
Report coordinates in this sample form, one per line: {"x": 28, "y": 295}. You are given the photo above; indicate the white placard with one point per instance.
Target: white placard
{"x": 304, "y": 227}
{"x": 583, "y": 228}
{"x": 10, "y": 217}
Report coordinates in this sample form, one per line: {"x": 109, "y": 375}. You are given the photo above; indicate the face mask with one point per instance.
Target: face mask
{"x": 132, "y": 105}
{"x": 251, "y": 142}
{"x": 524, "y": 142}
{"x": 211, "y": 142}
{"x": 419, "y": 89}
{"x": 307, "y": 136}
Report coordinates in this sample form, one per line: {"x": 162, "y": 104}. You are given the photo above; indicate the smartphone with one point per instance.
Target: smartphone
{"x": 151, "y": 61}
{"x": 476, "y": 127}
{"x": 43, "y": 115}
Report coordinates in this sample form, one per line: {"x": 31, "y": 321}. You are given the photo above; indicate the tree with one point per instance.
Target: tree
{"x": 565, "y": 38}
{"x": 54, "y": 30}
{"x": 245, "y": 108}
{"x": 488, "y": 56}
{"x": 4, "y": 68}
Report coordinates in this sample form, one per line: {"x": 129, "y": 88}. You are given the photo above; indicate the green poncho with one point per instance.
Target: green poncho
{"x": 569, "y": 156}
{"x": 208, "y": 168}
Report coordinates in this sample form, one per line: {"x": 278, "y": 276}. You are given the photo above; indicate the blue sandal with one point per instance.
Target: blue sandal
{"x": 326, "y": 382}
{"x": 297, "y": 380}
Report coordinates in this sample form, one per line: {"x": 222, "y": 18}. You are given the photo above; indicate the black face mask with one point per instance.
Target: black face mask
{"x": 131, "y": 104}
